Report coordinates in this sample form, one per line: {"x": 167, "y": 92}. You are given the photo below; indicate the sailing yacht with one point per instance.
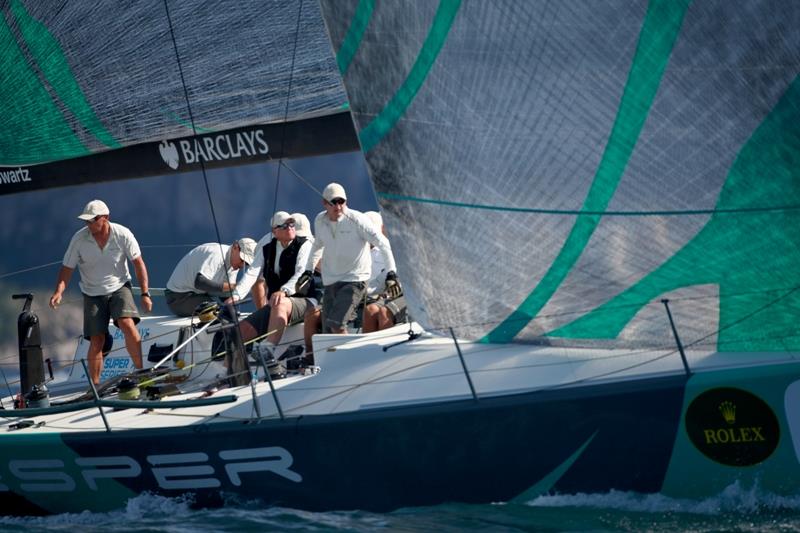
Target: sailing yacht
{"x": 594, "y": 208}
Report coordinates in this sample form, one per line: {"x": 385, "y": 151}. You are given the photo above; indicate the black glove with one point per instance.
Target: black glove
{"x": 302, "y": 281}
{"x": 393, "y": 289}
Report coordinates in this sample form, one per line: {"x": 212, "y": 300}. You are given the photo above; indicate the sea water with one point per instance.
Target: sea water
{"x": 733, "y": 510}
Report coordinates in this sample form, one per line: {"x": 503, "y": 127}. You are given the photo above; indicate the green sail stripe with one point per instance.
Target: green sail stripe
{"x": 751, "y": 316}
{"x": 659, "y": 31}
{"x": 53, "y": 63}
{"x": 573, "y": 212}
{"x": 386, "y": 119}
{"x": 354, "y": 34}
{"x": 26, "y": 107}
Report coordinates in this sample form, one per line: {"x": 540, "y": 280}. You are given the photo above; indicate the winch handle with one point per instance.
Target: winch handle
{"x": 28, "y": 300}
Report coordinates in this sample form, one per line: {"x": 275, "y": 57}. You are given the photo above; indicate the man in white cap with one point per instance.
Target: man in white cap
{"x": 342, "y": 241}
{"x": 283, "y": 259}
{"x": 207, "y": 271}
{"x": 101, "y": 251}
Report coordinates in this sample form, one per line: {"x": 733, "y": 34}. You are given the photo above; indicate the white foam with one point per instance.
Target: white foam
{"x": 734, "y": 499}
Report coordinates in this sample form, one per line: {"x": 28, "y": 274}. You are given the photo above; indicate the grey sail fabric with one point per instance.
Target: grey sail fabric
{"x": 549, "y": 171}
{"x": 80, "y": 78}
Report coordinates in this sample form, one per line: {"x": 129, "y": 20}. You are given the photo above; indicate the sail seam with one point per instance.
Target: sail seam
{"x": 574, "y": 212}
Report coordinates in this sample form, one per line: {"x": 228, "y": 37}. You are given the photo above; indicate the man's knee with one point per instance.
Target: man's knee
{"x": 128, "y": 327}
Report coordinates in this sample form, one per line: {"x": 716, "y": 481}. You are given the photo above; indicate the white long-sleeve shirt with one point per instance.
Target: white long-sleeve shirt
{"x": 344, "y": 247}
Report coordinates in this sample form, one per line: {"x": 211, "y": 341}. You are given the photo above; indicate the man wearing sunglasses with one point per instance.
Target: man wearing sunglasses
{"x": 342, "y": 239}
{"x": 101, "y": 251}
{"x": 284, "y": 258}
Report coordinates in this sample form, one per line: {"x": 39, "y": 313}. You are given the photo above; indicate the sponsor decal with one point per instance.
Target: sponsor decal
{"x": 177, "y": 471}
{"x": 732, "y": 427}
{"x": 17, "y": 175}
{"x": 219, "y": 147}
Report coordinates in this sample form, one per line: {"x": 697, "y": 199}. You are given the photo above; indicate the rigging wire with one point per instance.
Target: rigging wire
{"x": 286, "y": 111}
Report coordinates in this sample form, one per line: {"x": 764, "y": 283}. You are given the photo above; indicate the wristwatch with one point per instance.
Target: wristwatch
{"x": 146, "y": 294}
{"x": 286, "y": 291}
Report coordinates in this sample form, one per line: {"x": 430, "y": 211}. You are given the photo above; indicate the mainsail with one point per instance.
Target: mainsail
{"x": 86, "y": 78}
{"x": 550, "y": 171}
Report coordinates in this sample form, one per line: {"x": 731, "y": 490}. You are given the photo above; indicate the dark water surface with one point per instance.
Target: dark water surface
{"x": 733, "y": 510}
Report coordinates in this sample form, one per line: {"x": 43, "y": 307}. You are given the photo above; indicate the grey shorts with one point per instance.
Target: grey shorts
{"x": 339, "y": 303}
{"x": 396, "y": 306}
{"x": 260, "y": 319}
{"x": 185, "y": 303}
{"x": 98, "y": 310}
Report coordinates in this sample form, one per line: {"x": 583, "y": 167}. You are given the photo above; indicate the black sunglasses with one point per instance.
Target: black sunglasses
{"x": 337, "y": 201}
{"x": 285, "y": 225}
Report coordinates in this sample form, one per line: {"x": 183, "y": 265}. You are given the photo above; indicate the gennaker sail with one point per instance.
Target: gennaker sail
{"x": 551, "y": 170}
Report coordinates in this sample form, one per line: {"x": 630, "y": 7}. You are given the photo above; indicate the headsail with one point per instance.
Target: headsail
{"x": 94, "y": 78}
{"x": 551, "y": 170}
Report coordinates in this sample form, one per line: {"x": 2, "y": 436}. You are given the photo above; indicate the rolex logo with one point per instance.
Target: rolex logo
{"x": 728, "y": 411}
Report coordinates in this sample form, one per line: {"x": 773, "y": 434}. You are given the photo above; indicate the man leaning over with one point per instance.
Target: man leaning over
{"x": 207, "y": 271}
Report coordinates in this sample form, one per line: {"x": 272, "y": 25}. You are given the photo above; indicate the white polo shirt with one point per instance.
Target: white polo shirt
{"x": 344, "y": 247}
{"x": 207, "y": 259}
{"x": 102, "y": 271}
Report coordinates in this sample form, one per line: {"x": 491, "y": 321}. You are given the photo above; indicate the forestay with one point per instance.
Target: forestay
{"x": 550, "y": 170}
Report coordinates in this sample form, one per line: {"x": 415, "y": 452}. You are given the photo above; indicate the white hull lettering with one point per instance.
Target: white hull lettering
{"x": 179, "y": 471}
{"x": 41, "y": 471}
{"x": 182, "y": 477}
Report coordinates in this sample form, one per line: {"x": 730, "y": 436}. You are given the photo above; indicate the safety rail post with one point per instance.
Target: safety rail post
{"x": 96, "y": 396}
{"x": 665, "y": 301}
{"x": 271, "y": 386}
{"x": 464, "y": 365}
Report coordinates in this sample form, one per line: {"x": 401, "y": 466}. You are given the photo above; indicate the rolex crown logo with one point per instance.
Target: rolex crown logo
{"x": 728, "y": 411}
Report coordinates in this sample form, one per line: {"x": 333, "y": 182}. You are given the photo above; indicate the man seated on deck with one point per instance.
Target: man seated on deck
{"x": 283, "y": 258}
{"x": 207, "y": 271}
{"x": 101, "y": 251}
{"x": 382, "y": 310}
{"x": 342, "y": 241}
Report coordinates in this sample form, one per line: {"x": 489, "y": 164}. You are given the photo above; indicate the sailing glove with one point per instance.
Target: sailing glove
{"x": 393, "y": 288}
{"x": 302, "y": 281}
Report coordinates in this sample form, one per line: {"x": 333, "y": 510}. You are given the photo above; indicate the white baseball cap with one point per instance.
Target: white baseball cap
{"x": 334, "y": 190}
{"x": 247, "y": 249}
{"x": 280, "y": 218}
{"x": 302, "y": 227}
{"x": 93, "y": 209}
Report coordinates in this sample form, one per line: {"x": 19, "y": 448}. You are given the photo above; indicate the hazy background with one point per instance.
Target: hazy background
{"x": 168, "y": 215}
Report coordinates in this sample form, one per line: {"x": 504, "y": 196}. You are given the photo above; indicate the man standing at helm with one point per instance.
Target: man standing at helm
{"x": 342, "y": 239}
{"x": 101, "y": 251}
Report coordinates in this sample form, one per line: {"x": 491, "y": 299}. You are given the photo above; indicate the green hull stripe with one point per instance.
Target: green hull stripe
{"x": 50, "y": 58}
{"x": 547, "y": 483}
{"x": 389, "y": 115}
{"x": 569, "y": 212}
{"x": 354, "y": 34}
{"x": 656, "y": 39}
